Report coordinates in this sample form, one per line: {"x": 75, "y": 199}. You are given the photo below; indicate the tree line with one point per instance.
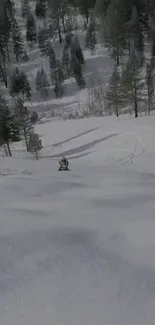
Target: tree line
{"x": 127, "y": 30}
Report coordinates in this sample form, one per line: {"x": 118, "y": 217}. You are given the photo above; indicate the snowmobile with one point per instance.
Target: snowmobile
{"x": 64, "y": 164}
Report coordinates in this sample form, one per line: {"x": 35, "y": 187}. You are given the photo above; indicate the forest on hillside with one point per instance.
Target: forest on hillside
{"x": 125, "y": 28}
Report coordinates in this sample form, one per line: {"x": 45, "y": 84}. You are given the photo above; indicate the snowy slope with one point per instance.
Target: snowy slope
{"x": 79, "y": 247}
{"x": 97, "y": 70}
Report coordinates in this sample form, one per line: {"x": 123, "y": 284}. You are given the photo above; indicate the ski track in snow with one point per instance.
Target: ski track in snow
{"x": 78, "y": 247}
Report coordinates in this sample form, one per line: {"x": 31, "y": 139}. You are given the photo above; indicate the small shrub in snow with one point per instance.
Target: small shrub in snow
{"x": 35, "y": 144}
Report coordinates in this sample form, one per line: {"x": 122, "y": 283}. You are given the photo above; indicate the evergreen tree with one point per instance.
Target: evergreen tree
{"x": 66, "y": 62}
{"x": 41, "y": 7}
{"x": 58, "y": 80}
{"x": 152, "y": 39}
{"x": 59, "y": 9}
{"x": 52, "y": 64}
{"x": 31, "y": 32}
{"x": 76, "y": 49}
{"x": 91, "y": 39}
{"x": 114, "y": 96}
{"x": 42, "y": 83}
{"x": 3, "y": 75}
{"x": 25, "y": 7}
{"x": 77, "y": 70}
{"x": 5, "y": 34}
{"x": 85, "y": 6}
{"x": 9, "y": 131}
{"x": 44, "y": 40}
{"x": 102, "y": 6}
{"x": 114, "y": 30}
{"x": 15, "y": 86}
{"x": 52, "y": 58}
{"x": 136, "y": 33}
{"x": 23, "y": 117}
{"x": 150, "y": 86}
{"x": 35, "y": 144}
{"x": 17, "y": 41}
{"x": 20, "y": 85}
{"x": 132, "y": 82}
{"x": 34, "y": 117}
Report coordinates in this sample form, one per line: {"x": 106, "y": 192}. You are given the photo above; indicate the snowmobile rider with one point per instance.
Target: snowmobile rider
{"x": 64, "y": 162}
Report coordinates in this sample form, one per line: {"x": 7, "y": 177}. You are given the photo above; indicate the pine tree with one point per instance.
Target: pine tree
{"x": 91, "y": 39}
{"x": 35, "y": 144}
{"x": 20, "y": 85}
{"x": 18, "y": 47}
{"x": 114, "y": 97}
{"x": 41, "y": 7}
{"x": 152, "y": 39}
{"x": 44, "y": 40}
{"x": 5, "y": 35}
{"x": 136, "y": 33}
{"x": 101, "y": 7}
{"x": 84, "y": 6}
{"x": 34, "y": 117}
{"x": 52, "y": 64}
{"x": 77, "y": 70}
{"x": 25, "y": 7}
{"x": 52, "y": 59}
{"x": 58, "y": 80}
{"x": 132, "y": 82}
{"x": 42, "y": 83}
{"x": 3, "y": 75}
{"x": 31, "y": 31}
{"x": 15, "y": 86}
{"x": 77, "y": 50}
{"x": 114, "y": 30}
{"x": 59, "y": 9}
{"x": 23, "y": 117}
{"x": 66, "y": 61}
{"x": 9, "y": 131}
{"x": 149, "y": 79}
{"x": 25, "y": 87}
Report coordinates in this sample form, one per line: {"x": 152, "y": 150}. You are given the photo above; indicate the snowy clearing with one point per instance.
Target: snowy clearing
{"x": 78, "y": 247}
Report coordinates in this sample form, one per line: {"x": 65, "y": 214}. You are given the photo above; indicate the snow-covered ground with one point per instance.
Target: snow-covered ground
{"x": 78, "y": 247}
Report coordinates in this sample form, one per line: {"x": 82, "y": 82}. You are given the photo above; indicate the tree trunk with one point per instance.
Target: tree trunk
{"x": 117, "y": 56}
{"x": 5, "y": 150}
{"x": 135, "y": 94}
{"x": 2, "y": 65}
{"x": 149, "y": 108}
{"x": 59, "y": 31}
{"x": 36, "y": 154}
{"x": 149, "y": 103}
{"x": 117, "y": 113}
{"x": 129, "y": 49}
{"x": 9, "y": 150}
{"x": 26, "y": 141}
{"x": 135, "y": 104}
{"x": 8, "y": 55}
{"x": 87, "y": 16}
{"x": 3, "y": 72}
{"x": 63, "y": 22}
